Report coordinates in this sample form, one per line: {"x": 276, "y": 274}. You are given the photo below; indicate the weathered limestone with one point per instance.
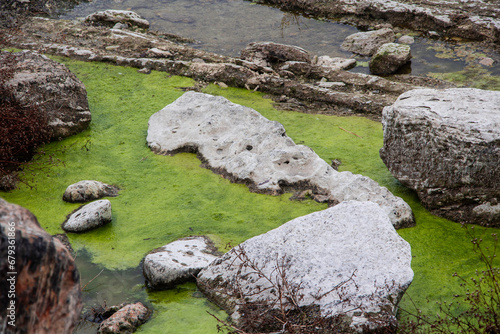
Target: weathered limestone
{"x": 246, "y": 147}
{"x": 89, "y": 217}
{"x": 88, "y": 190}
{"x": 389, "y": 58}
{"x": 475, "y": 19}
{"x": 445, "y": 144}
{"x": 178, "y": 262}
{"x": 335, "y": 63}
{"x": 56, "y": 91}
{"x": 268, "y": 53}
{"x": 352, "y": 245}
{"x": 111, "y": 17}
{"x": 126, "y": 320}
{"x": 46, "y": 280}
{"x": 367, "y": 43}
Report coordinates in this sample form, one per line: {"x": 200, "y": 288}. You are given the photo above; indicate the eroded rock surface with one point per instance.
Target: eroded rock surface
{"x": 357, "y": 93}
{"x": 389, "y": 58}
{"x": 473, "y": 19}
{"x": 56, "y": 91}
{"x": 178, "y": 262}
{"x": 352, "y": 245}
{"x": 445, "y": 144}
{"x": 111, "y": 17}
{"x": 89, "y": 217}
{"x": 88, "y": 190}
{"x": 367, "y": 43}
{"x": 46, "y": 282}
{"x": 268, "y": 53}
{"x": 126, "y": 320}
{"x": 246, "y": 147}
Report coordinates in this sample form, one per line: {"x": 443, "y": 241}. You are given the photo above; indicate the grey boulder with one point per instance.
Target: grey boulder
{"x": 245, "y": 147}
{"x": 178, "y": 262}
{"x": 88, "y": 190}
{"x": 389, "y": 58}
{"x": 111, "y": 17}
{"x": 367, "y": 43}
{"x": 55, "y": 90}
{"x": 445, "y": 144}
{"x": 89, "y": 217}
{"x": 347, "y": 260}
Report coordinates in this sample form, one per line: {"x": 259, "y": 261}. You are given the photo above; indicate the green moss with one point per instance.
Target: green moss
{"x": 474, "y": 76}
{"x": 165, "y": 198}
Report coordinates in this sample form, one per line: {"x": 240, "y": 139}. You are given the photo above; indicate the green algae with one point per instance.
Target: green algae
{"x": 164, "y": 198}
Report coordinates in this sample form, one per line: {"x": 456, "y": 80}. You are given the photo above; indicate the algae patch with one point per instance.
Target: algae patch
{"x": 164, "y": 198}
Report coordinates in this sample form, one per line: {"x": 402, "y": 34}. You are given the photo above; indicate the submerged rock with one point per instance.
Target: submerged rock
{"x": 126, "y": 320}
{"x": 56, "y": 92}
{"x": 89, "y": 217}
{"x": 367, "y": 43}
{"x": 445, "y": 144}
{"x": 345, "y": 261}
{"x": 111, "y": 17}
{"x": 43, "y": 281}
{"x": 389, "y": 58}
{"x": 246, "y": 147}
{"x": 178, "y": 262}
{"x": 89, "y": 190}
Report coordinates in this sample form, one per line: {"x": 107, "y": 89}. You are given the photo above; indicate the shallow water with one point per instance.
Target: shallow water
{"x": 227, "y": 26}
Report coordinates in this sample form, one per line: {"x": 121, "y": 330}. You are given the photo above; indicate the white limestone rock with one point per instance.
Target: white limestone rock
{"x": 445, "y": 144}
{"x": 89, "y": 217}
{"x": 246, "y": 147}
{"x": 178, "y": 262}
{"x": 318, "y": 252}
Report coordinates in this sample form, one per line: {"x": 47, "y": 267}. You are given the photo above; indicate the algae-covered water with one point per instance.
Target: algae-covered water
{"x": 164, "y": 198}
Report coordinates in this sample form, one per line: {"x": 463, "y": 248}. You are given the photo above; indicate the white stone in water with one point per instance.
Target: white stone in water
{"x": 240, "y": 142}
{"x": 177, "y": 262}
{"x": 88, "y": 217}
{"x": 321, "y": 250}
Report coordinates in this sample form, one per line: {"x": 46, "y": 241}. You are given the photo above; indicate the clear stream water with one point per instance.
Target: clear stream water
{"x": 227, "y": 26}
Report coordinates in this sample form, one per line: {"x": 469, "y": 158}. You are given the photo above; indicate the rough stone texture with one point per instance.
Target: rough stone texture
{"x": 445, "y": 144}
{"x": 367, "y": 43}
{"x": 389, "y": 58}
{"x": 361, "y": 94}
{"x": 318, "y": 252}
{"x": 245, "y": 146}
{"x": 54, "y": 89}
{"x": 472, "y": 19}
{"x": 47, "y": 282}
{"x": 111, "y": 17}
{"x": 125, "y": 320}
{"x": 88, "y": 190}
{"x": 336, "y": 63}
{"x": 177, "y": 262}
{"x": 89, "y": 217}
{"x": 268, "y": 53}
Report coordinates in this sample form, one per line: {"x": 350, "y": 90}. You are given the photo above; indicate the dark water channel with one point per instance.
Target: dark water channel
{"x": 227, "y": 26}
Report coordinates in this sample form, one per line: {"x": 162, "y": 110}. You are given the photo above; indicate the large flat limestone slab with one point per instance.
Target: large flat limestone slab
{"x": 246, "y": 147}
